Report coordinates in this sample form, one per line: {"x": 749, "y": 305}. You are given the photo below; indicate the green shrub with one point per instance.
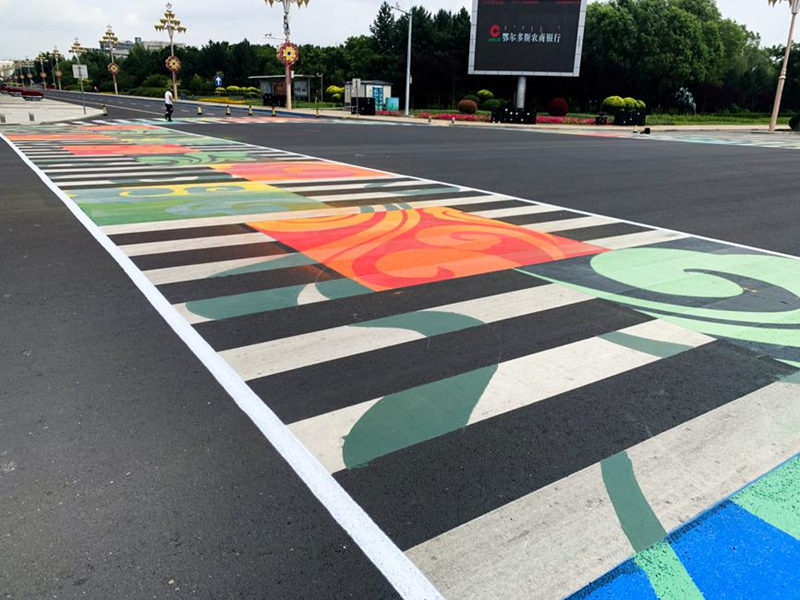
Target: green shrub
{"x": 156, "y": 81}
{"x": 613, "y": 104}
{"x": 794, "y": 122}
{"x": 492, "y": 103}
{"x": 485, "y": 95}
{"x": 149, "y": 92}
{"x": 629, "y": 103}
{"x": 220, "y": 90}
{"x": 334, "y": 92}
{"x": 641, "y": 105}
{"x": 467, "y": 107}
{"x": 473, "y": 97}
{"x": 233, "y": 90}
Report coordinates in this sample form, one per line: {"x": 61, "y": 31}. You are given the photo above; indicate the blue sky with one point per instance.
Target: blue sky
{"x": 35, "y": 25}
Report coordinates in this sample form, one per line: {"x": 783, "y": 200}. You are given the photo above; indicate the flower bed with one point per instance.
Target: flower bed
{"x": 565, "y": 120}
{"x": 456, "y": 116}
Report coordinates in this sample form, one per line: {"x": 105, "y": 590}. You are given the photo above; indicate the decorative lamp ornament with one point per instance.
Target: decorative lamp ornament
{"x": 288, "y": 53}
{"x": 173, "y": 63}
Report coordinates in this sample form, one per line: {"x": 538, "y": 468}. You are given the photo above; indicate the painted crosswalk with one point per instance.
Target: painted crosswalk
{"x": 524, "y": 373}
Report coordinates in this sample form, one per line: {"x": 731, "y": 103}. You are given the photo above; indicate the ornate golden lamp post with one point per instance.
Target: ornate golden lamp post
{"x": 57, "y": 72}
{"x": 172, "y": 26}
{"x": 288, "y": 52}
{"x": 110, "y": 40}
{"x": 77, "y": 51}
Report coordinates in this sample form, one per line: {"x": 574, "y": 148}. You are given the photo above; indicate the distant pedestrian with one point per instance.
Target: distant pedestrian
{"x": 168, "y": 104}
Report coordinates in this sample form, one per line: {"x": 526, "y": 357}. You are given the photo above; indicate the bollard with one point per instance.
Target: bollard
{"x": 318, "y": 113}
{"x": 227, "y": 110}
{"x": 105, "y": 110}
{"x": 2, "y": 118}
{"x": 30, "y": 116}
{"x": 452, "y": 120}
{"x": 273, "y": 111}
{"x": 199, "y": 111}
{"x": 250, "y": 110}
{"x": 429, "y": 120}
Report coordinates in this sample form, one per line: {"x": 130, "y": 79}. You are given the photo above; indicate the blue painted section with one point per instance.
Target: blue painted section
{"x": 626, "y": 581}
{"x": 730, "y": 553}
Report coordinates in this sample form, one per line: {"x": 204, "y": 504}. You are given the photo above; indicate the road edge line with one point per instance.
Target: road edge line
{"x": 402, "y": 574}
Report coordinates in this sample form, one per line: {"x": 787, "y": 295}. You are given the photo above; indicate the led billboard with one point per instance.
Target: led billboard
{"x": 526, "y": 37}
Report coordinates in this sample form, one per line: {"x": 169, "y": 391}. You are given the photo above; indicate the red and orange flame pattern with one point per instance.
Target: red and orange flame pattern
{"x": 394, "y": 249}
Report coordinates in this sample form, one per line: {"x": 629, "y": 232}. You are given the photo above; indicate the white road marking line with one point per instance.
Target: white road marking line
{"x": 203, "y": 270}
{"x": 499, "y": 213}
{"x": 640, "y": 238}
{"x": 199, "y": 243}
{"x": 567, "y": 224}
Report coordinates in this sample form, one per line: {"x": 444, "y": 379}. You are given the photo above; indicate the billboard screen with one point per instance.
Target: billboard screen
{"x": 526, "y": 37}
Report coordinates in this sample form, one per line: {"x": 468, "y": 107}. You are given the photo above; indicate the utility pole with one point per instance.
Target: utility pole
{"x": 794, "y": 6}
{"x": 77, "y": 50}
{"x": 410, "y": 16}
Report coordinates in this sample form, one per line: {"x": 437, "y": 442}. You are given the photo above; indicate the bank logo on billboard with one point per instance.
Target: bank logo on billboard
{"x": 522, "y": 37}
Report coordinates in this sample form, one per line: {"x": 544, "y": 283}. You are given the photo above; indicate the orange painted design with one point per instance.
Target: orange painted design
{"x": 131, "y": 149}
{"x": 115, "y": 127}
{"x": 287, "y": 171}
{"x": 57, "y": 137}
{"x": 399, "y": 248}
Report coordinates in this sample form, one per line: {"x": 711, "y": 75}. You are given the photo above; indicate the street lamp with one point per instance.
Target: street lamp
{"x": 42, "y": 72}
{"x": 77, "y": 50}
{"x": 408, "y": 52}
{"x": 57, "y": 73}
{"x": 110, "y": 39}
{"x": 794, "y": 6}
{"x": 172, "y": 26}
{"x": 287, "y": 53}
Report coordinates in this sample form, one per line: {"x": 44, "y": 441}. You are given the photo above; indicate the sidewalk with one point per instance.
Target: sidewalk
{"x": 16, "y": 111}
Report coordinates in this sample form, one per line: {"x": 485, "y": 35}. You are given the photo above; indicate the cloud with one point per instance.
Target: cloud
{"x": 37, "y": 25}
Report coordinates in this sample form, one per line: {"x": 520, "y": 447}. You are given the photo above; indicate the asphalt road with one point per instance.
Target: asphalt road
{"x": 129, "y": 107}
{"x": 737, "y": 194}
{"x": 128, "y": 472}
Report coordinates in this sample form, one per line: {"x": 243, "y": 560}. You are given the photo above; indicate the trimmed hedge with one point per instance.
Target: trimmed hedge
{"x": 467, "y": 107}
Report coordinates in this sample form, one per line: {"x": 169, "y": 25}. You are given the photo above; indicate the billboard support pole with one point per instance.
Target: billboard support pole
{"x": 522, "y": 84}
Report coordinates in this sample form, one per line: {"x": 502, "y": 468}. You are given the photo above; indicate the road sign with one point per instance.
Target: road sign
{"x": 509, "y": 37}
{"x": 80, "y": 71}
{"x": 377, "y": 93}
{"x": 218, "y": 81}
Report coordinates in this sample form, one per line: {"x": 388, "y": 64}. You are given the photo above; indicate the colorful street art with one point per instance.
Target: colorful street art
{"x": 388, "y": 250}
{"x": 573, "y": 406}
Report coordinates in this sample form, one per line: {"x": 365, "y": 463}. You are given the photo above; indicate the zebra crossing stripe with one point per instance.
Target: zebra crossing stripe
{"x": 516, "y": 383}
{"x": 199, "y": 243}
{"x": 268, "y": 358}
{"x": 564, "y": 224}
{"x": 643, "y": 238}
{"x": 561, "y": 537}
